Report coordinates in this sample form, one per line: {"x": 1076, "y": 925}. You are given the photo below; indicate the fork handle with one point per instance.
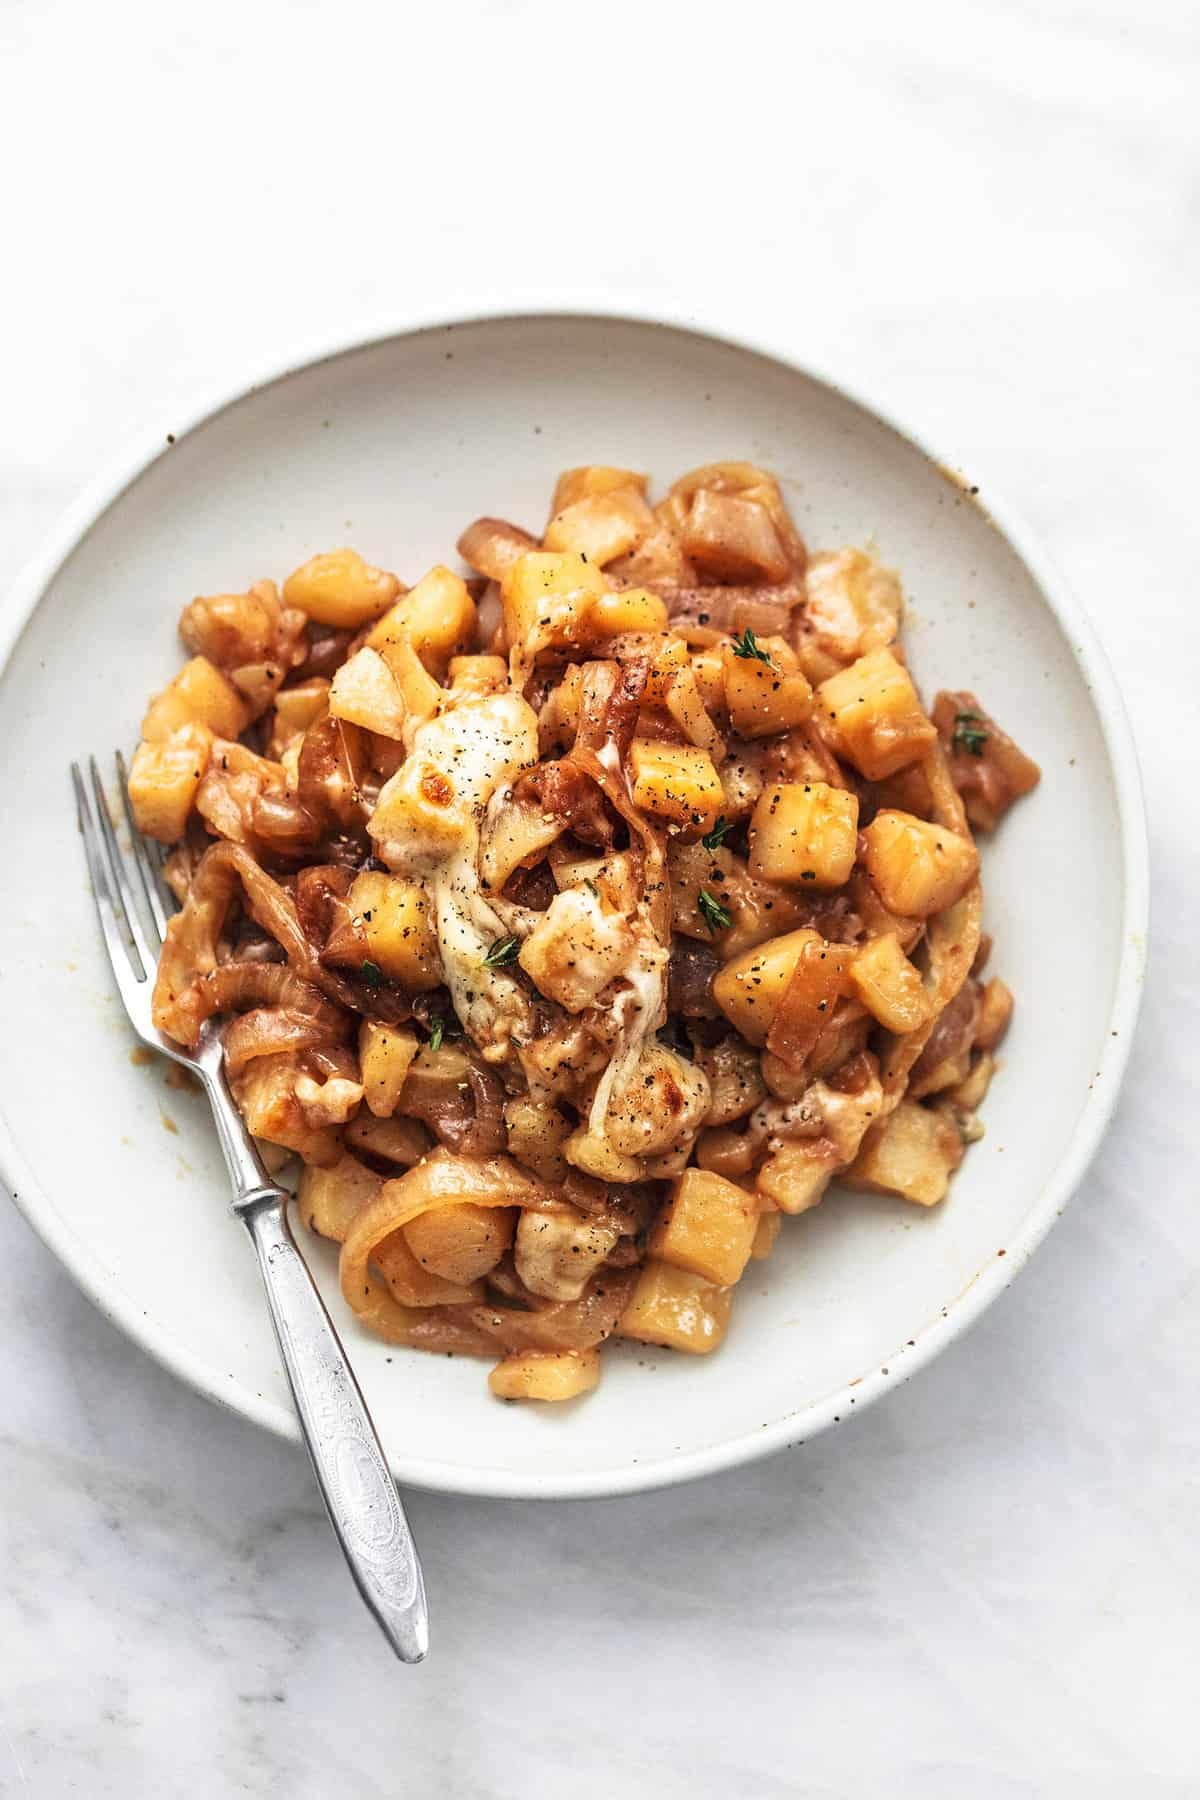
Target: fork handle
{"x": 359, "y": 1493}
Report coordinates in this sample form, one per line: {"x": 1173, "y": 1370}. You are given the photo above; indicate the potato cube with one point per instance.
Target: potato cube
{"x": 163, "y": 779}
{"x": 919, "y": 868}
{"x": 751, "y": 986}
{"x": 400, "y": 934}
{"x": 576, "y": 949}
{"x": 632, "y": 609}
{"x": 601, "y": 526}
{"x": 725, "y": 1152}
{"x": 199, "y": 695}
{"x": 384, "y": 1055}
{"x": 412, "y": 1284}
{"x": 296, "y": 708}
{"x": 677, "y": 1308}
{"x": 995, "y": 1013}
{"x": 768, "y": 1229}
{"x": 400, "y": 1141}
{"x": 852, "y": 604}
{"x": 545, "y": 1375}
{"x": 675, "y": 782}
{"x": 804, "y": 832}
{"x": 593, "y": 478}
{"x": 707, "y": 1226}
{"x": 730, "y": 537}
{"x": 889, "y": 986}
{"x": 478, "y": 674}
{"x": 871, "y": 715}
{"x": 794, "y": 1177}
{"x": 340, "y": 589}
{"x": 329, "y": 1199}
{"x": 559, "y": 1250}
{"x": 365, "y": 692}
{"x": 437, "y": 617}
{"x": 765, "y": 697}
{"x": 913, "y": 1153}
{"x": 547, "y": 596}
{"x": 461, "y": 1242}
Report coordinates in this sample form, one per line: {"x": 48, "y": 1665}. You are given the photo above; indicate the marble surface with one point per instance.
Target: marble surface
{"x": 987, "y": 216}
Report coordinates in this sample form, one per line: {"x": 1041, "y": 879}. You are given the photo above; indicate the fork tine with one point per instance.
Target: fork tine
{"x": 147, "y": 864}
{"x": 118, "y": 952}
{"x": 119, "y": 884}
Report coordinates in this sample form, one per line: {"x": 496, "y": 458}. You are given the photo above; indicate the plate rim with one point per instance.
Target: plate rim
{"x": 105, "y": 489}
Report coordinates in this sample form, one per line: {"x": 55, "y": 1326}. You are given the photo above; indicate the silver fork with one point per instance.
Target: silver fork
{"x": 360, "y": 1496}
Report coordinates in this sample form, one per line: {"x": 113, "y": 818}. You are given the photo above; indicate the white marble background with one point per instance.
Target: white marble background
{"x": 989, "y": 215}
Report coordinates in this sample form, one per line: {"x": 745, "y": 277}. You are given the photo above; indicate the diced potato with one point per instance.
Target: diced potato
{"x": 995, "y": 1013}
{"x": 420, "y": 693}
{"x": 871, "y": 715}
{"x": 676, "y": 782}
{"x": 411, "y": 1283}
{"x": 768, "y": 1229}
{"x": 765, "y": 697}
{"x": 919, "y": 868}
{"x": 685, "y": 704}
{"x": 400, "y": 933}
{"x": 708, "y": 666}
{"x": 493, "y": 545}
{"x": 330, "y": 1198}
{"x": 593, "y": 478}
{"x": 889, "y": 986}
{"x": 547, "y": 596}
{"x": 750, "y": 986}
{"x": 365, "y": 692}
{"x": 478, "y": 674}
{"x": 461, "y": 1242}
{"x": 735, "y": 1079}
{"x": 913, "y": 1153}
{"x": 731, "y": 537}
{"x": 558, "y": 1251}
{"x": 852, "y": 604}
{"x": 794, "y": 1177}
{"x": 545, "y": 1375}
{"x": 630, "y": 609}
{"x": 725, "y": 1152}
{"x": 163, "y": 779}
{"x": 385, "y": 1053}
{"x": 537, "y": 1131}
{"x": 601, "y": 526}
{"x": 296, "y": 708}
{"x": 576, "y": 949}
{"x": 972, "y": 1091}
{"x": 807, "y": 1005}
{"x": 400, "y": 1141}
{"x": 199, "y": 695}
{"x": 707, "y": 1226}
{"x": 677, "y": 1308}
{"x": 804, "y": 833}
{"x": 437, "y": 617}
{"x": 340, "y": 589}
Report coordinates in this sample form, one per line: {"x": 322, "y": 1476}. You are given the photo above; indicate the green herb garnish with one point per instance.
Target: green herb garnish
{"x": 713, "y": 913}
{"x": 372, "y": 974}
{"x": 437, "y": 1031}
{"x": 591, "y": 887}
{"x": 504, "y": 950}
{"x": 748, "y": 647}
{"x": 970, "y": 734}
{"x": 712, "y": 840}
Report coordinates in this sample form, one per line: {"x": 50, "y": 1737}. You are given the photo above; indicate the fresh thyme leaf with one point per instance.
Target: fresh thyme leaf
{"x": 437, "y": 1031}
{"x": 372, "y": 974}
{"x": 591, "y": 887}
{"x": 504, "y": 950}
{"x": 713, "y": 839}
{"x": 712, "y": 912}
{"x": 970, "y": 733}
{"x": 748, "y": 647}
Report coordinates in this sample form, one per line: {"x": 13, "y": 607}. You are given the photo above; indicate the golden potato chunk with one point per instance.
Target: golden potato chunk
{"x": 385, "y": 1053}
{"x": 340, "y": 589}
{"x": 794, "y": 1177}
{"x": 675, "y": 782}
{"x": 546, "y": 597}
{"x": 852, "y": 605}
{"x": 545, "y": 1375}
{"x": 365, "y": 692}
{"x": 919, "y": 868}
{"x": 913, "y": 1153}
{"x": 871, "y": 715}
{"x": 437, "y": 617}
{"x": 400, "y": 934}
{"x": 400, "y": 1141}
{"x": 199, "y": 695}
{"x": 707, "y": 1226}
{"x": 163, "y": 779}
{"x": 732, "y": 538}
{"x": 631, "y": 609}
{"x": 804, "y": 833}
{"x": 750, "y": 986}
{"x": 889, "y": 986}
{"x": 461, "y": 1242}
{"x": 601, "y": 526}
{"x": 593, "y": 478}
{"x": 764, "y": 697}
{"x": 330, "y": 1198}
{"x": 676, "y": 1308}
{"x": 765, "y": 1236}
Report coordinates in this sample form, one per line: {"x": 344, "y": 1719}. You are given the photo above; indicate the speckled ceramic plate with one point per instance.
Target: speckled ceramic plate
{"x": 393, "y": 446}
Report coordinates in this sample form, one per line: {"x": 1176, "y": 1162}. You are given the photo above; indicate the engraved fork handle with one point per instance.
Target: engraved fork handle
{"x": 353, "y": 1476}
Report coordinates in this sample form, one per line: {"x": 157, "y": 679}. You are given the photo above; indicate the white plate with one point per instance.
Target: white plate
{"x": 393, "y": 446}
